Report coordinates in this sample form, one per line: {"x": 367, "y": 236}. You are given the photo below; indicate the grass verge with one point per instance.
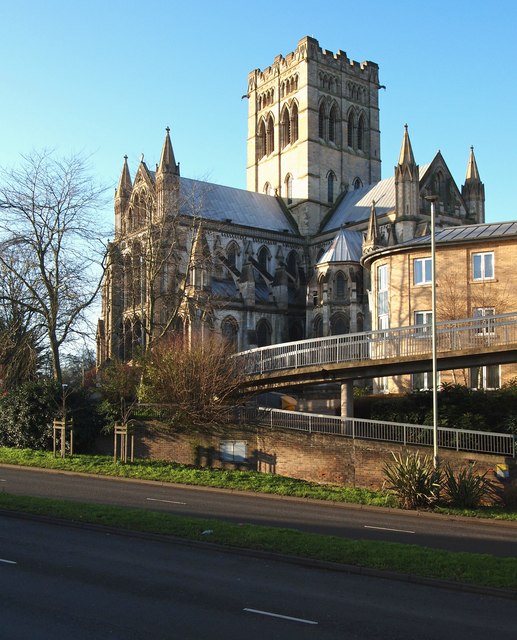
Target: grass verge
{"x": 464, "y": 568}
{"x": 161, "y": 471}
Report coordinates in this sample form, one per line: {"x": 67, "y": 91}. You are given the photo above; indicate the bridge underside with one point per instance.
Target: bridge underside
{"x": 347, "y": 371}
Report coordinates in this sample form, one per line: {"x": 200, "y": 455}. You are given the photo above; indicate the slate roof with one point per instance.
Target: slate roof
{"x": 224, "y": 204}
{"x": 356, "y": 205}
{"x": 346, "y": 247}
{"x": 469, "y": 232}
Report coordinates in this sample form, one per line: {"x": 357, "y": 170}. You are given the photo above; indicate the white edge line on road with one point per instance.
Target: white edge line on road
{"x": 366, "y": 526}
{"x": 8, "y": 561}
{"x": 168, "y": 501}
{"x": 278, "y": 615}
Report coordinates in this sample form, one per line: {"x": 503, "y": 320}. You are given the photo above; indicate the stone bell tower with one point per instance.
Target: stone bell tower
{"x": 313, "y": 130}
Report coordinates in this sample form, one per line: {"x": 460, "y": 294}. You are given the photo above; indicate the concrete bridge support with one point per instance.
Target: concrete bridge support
{"x": 347, "y": 399}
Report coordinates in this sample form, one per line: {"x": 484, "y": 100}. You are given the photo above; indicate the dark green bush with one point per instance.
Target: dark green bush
{"x": 27, "y": 413}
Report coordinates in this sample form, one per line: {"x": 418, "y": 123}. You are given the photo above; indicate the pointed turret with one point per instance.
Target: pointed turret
{"x": 167, "y": 180}
{"x": 371, "y": 241}
{"x": 122, "y": 195}
{"x": 167, "y": 160}
{"x": 473, "y": 191}
{"x": 407, "y": 188}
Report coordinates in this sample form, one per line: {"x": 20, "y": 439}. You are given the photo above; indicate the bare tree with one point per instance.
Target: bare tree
{"x": 199, "y": 381}
{"x": 20, "y": 334}
{"x": 49, "y": 219}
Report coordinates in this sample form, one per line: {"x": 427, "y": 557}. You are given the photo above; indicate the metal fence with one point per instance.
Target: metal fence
{"x": 405, "y": 434}
{"x": 414, "y": 340}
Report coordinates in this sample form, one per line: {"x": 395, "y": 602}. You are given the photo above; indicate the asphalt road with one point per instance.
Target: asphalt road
{"x": 455, "y": 534}
{"x": 62, "y": 582}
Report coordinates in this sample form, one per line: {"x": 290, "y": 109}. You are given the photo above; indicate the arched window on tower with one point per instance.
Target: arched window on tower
{"x": 331, "y": 179}
{"x": 357, "y": 183}
{"x": 318, "y": 327}
{"x": 292, "y": 264}
{"x": 289, "y": 188}
{"x": 261, "y": 140}
{"x": 263, "y": 258}
{"x": 267, "y": 189}
{"x": 339, "y": 324}
{"x": 341, "y": 288}
{"x": 333, "y": 124}
{"x": 263, "y": 333}
{"x": 360, "y": 133}
{"x": 230, "y": 331}
{"x": 350, "y": 129}
{"x": 294, "y": 122}
{"x": 322, "y": 121}
{"x": 270, "y": 135}
{"x": 285, "y": 137}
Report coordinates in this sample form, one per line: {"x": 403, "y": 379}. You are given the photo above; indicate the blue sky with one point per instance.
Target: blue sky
{"x": 105, "y": 77}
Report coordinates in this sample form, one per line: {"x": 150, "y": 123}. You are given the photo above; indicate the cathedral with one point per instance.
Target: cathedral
{"x": 282, "y": 260}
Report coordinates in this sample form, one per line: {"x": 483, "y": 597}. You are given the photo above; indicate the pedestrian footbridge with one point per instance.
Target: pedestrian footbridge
{"x": 369, "y": 354}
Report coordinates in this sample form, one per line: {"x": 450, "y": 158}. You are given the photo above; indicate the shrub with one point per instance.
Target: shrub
{"x": 26, "y": 415}
{"x": 467, "y": 489}
{"x": 413, "y": 479}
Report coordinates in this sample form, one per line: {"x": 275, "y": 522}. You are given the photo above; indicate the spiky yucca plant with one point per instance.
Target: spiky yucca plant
{"x": 413, "y": 479}
{"x": 467, "y": 489}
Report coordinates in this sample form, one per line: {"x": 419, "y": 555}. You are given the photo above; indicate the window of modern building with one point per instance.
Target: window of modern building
{"x": 422, "y": 381}
{"x": 486, "y": 324}
{"x": 488, "y": 377}
{"x": 382, "y": 297}
{"x": 424, "y": 323}
{"x": 483, "y": 265}
{"x": 422, "y": 270}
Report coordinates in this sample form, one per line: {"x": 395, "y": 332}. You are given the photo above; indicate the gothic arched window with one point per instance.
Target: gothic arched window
{"x": 360, "y": 133}
{"x": 263, "y": 258}
{"x": 263, "y": 333}
{"x": 332, "y": 124}
{"x": 318, "y": 327}
{"x": 270, "y": 135}
{"x": 340, "y": 286}
{"x": 321, "y": 121}
{"x": 289, "y": 188}
{"x": 294, "y": 122}
{"x": 331, "y": 179}
{"x": 292, "y": 264}
{"x": 267, "y": 189}
{"x": 261, "y": 140}
{"x": 285, "y": 137}
{"x": 350, "y": 130}
{"x": 230, "y": 331}
{"x": 339, "y": 324}
{"x": 358, "y": 183}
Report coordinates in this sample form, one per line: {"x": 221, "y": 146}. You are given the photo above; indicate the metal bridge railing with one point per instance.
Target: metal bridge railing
{"x": 401, "y": 433}
{"x": 414, "y": 340}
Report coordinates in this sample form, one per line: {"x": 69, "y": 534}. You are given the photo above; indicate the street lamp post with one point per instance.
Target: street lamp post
{"x": 432, "y": 200}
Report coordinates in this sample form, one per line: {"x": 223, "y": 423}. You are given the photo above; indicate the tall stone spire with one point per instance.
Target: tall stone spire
{"x": 371, "y": 241}
{"x": 406, "y": 157}
{"x": 167, "y": 160}
{"x": 407, "y": 191}
{"x": 473, "y": 191}
{"x": 122, "y": 195}
{"x": 167, "y": 180}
